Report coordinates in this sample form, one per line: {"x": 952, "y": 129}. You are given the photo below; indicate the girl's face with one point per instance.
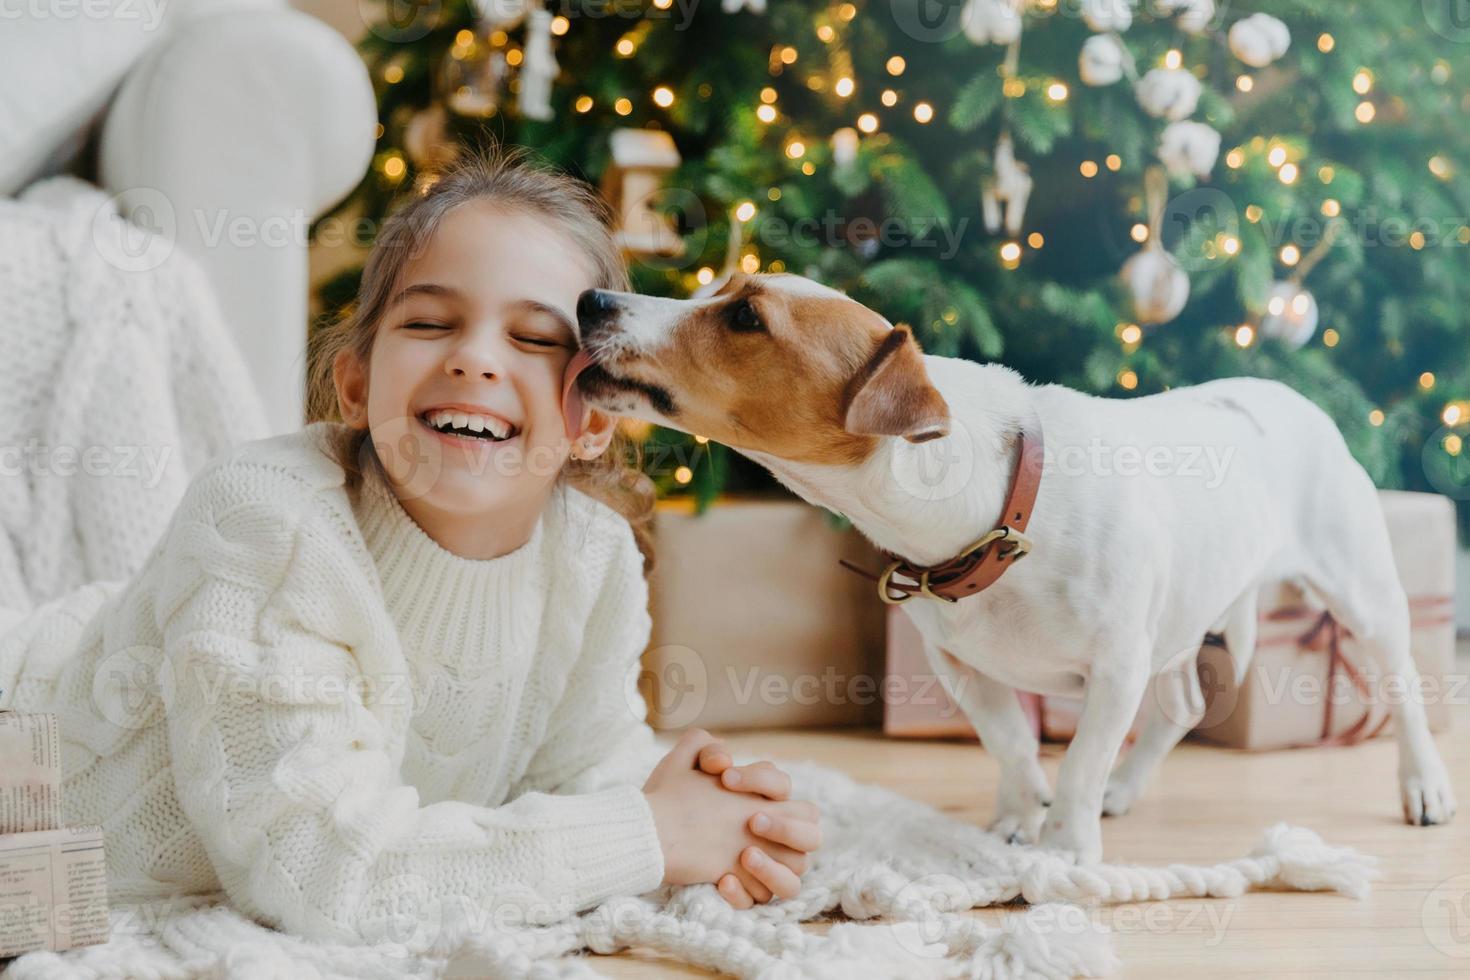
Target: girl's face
{"x": 477, "y": 337}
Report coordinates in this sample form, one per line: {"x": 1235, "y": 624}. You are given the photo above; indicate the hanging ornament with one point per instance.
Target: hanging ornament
{"x": 1291, "y": 311}
{"x": 426, "y": 139}
{"x": 1291, "y": 314}
{"x": 844, "y": 147}
{"x": 1009, "y": 186}
{"x": 1259, "y": 39}
{"x": 539, "y": 67}
{"x": 1192, "y": 16}
{"x": 992, "y": 21}
{"x": 1189, "y": 148}
{"x": 734, "y": 6}
{"x": 1108, "y": 15}
{"x": 472, "y": 79}
{"x": 1102, "y": 60}
{"x": 1156, "y": 284}
{"x": 502, "y": 14}
{"x": 1168, "y": 93}
{"x": 641, "y": 160}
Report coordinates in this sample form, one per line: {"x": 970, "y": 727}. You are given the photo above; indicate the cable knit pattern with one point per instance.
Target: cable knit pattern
{"x": 118, "y": 381}
{"x": 304, "y": 701}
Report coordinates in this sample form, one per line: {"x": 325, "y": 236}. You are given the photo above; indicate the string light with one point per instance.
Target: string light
{"x": 1131, "y": 333}
{"x": 663, "y": 96}
{"x": 1127, "y": 379}
{"x": 1088, "y": 168}
{"x": 795, "y": 149}
{"x": 847, "y": 11}
{"x": 1331, "y": 208}
{"x": 1244, "y": 334}
{"x": 766, "y": 113}
{"x": 867, "y": 122}
{"x": 394, "y": 167}
{"x": 808, "y": 168}
{"x": 584, "y": 103}
{"x": 825, "y": 34}
{"x": 1035, "y": 240}
{"x": 1325, "y": 42}
{"x": 1114, "y": 162}
{"x": 560, "y": 25}
{"x": 1451, "y": 413}
{"x": 1375, "y": 417}
{"x": 705, "y": 275}
{"x": 1173, "y": 59}
{"x": 624, "y": 47}
{"x": 923, "y": 111}
{"x": 702, "y": 440}
{"x": 1057, "y": 92}
{"x": 513, "y": 57}
{"x": 768, "y": 95}
{"x": 1287, "y": 173}
{"x": 1013, "y": 88}
{"x": 1010, "y": 254}
{"x": 1365, "y": 112}
{"x": 393, "y": 74}
{"x": 896, "y": 65}
{"x": 1363, "y": 81}
{"x": 1229, "y": 244}
{"x": 1139, "y": 233}
{"x": 744, "y": 211}
{"x": 843, "y": 88}
{"x": 1253, "y": 213}
{"x": 1426, "y": 380}
{"x": 623, "y": 107}
{"x": 683, "y": 474}
{"x": 1245, "y": 83}
{"x": 1453, "y": 444}
{"x": 1277, "y": 156}
{"x": 1325, "y": 174}
{"x": 1440, "y": 167}
{"x": 1234, "y": 159}
{"x": 889, "y": 97}
{"x": 750, "y": 263}
{"x": 1290, "y": 255}
{"x": 788, "y": 55}
{"x": 1329, "y": 337}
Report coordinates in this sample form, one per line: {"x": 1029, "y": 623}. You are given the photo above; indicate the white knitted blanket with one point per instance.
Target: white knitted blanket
{"x": 118, "y": 380}
{"x": 883, "y": 856}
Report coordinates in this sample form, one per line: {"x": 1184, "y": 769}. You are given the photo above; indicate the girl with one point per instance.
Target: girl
{"x": 388, "y": 660}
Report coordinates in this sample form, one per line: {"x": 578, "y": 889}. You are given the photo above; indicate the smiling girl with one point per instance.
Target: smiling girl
{"x": 390, "y": 658}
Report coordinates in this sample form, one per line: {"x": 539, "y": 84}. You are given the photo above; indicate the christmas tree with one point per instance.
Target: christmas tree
{"x": 1116, "y": 196}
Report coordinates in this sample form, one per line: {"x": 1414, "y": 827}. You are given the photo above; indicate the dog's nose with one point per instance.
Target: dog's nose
{"x": 595, "y": 308}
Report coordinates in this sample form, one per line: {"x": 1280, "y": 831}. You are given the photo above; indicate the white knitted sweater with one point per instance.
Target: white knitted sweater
{"x": 303, "y": 700}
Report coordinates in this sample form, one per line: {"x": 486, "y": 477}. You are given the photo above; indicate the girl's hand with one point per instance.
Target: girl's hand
{"x": 706, "y": 830}
{"x": 761, "y": 778}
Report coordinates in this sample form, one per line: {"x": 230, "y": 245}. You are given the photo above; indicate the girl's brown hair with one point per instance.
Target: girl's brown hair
{"x": 510, "y": 178}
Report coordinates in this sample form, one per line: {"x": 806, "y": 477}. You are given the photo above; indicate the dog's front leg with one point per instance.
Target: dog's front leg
{"x": 995, "y": 711}
{"x": 1114, "y": 692}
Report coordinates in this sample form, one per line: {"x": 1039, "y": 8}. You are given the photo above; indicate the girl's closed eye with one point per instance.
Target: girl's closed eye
{"x": 425, "y": 325}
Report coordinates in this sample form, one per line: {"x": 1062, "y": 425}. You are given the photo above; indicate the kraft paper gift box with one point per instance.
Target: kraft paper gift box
{"x": 756, "y": 625}
{"x": 915, "y": 703}
{"x": 1297, "y": 692}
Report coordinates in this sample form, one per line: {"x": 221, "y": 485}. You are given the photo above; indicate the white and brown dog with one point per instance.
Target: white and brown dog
{"x": 1155, "y": 521}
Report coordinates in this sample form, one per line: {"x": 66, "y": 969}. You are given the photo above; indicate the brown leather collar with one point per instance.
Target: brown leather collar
{"x": 978, "y": 566}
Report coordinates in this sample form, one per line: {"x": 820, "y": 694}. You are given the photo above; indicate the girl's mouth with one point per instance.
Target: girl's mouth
{"x": 462, "y": 427}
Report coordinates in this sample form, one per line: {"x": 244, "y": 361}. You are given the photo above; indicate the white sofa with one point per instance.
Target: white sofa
{"x": 228, "y": 125}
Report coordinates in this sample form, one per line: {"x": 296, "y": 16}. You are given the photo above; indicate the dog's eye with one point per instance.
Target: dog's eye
{"x": 744, "y": 317}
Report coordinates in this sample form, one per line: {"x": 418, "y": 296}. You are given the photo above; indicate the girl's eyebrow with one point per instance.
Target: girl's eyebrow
{"x": 564, "y": 321}
{"x": 427, "y": 288}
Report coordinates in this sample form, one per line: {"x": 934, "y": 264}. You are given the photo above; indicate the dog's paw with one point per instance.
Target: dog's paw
{"x": 1119, "y": 797}
{"x": 1018, "y": 827}
{"x": 1079, "y": 837}
{"x": 1426, "y": 794}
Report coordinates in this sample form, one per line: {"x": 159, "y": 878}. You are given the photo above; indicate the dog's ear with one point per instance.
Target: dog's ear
{"x": 891, "y": 394}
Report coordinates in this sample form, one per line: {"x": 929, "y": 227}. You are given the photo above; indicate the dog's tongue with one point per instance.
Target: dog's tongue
{"x": 571, "y": 397}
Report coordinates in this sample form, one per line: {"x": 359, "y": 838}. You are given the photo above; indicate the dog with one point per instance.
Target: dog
{"x": 1227, "y": 485}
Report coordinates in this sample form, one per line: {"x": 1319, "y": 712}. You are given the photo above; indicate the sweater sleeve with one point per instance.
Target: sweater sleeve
{"x": 598, "y": 736}
{"x": 277, "y": 727}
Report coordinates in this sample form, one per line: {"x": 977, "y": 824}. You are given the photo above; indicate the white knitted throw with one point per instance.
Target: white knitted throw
{"x": 883, "y": 856}
{"x": 118, "y": 380}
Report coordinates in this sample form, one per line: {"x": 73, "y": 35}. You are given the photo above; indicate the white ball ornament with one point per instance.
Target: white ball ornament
{"x": 1259, "y": 39}
{"x": 1291, "y": 315}
{"x": 1157, "y": 285}
{"x": 845, "y": 146}
{"x": 1189, "y": 148}
{"x": 1102, "y": 59}
{"x": 1107, "y": 15}
{"x": 1168, "y": 93}
{"x": 992, "y": 21}
{"x": 1193, "y": 16}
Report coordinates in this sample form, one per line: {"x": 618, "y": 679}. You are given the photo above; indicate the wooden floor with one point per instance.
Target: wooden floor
{"x": 1209, "y": 805}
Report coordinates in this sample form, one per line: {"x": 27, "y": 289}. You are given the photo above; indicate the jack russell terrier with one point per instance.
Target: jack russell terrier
{"x": 1146, "y": 523}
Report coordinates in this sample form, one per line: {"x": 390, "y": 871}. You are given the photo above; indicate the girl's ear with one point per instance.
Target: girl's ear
{"x": 598, "y": 429}
{"x": 351, "y": 382}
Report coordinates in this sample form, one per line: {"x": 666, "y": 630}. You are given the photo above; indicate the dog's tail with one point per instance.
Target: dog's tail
{"x": 1241, "y": 627}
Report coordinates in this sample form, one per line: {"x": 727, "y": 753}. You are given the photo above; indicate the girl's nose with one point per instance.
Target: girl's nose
{"x": 476, "y": 356}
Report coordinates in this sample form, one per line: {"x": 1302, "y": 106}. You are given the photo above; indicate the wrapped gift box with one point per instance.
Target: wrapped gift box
{"x": 1298, "y": 691}
{"x": 755, "y": 624}
{"x": 30, "y": 772}
{"x": 53, "y": 890}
